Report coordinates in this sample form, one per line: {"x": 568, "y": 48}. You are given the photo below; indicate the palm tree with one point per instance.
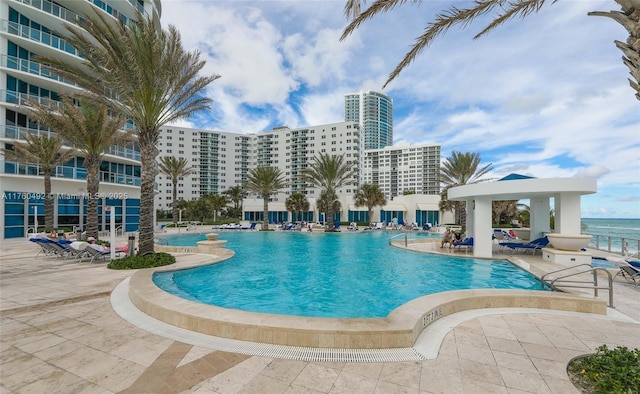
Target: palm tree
{"x": 46, "y": 152}
{"x": 265, "y": 181}
{"x": 328, "y": 203}
{"x": 628, "y": 17}
{"x": 144, "y": 72}
{"x": 236, "y": 195}
{"x": 297, "y": 203}
{"x": 175, "y": 168}
{"x": 90, "y": 129}
{"x": 329, "y": 173}
{"x": 457, "y": 170}
{"x": 217, "y": 202}
{"x": 369, "y": 195}
{"x": 504, "y": 211}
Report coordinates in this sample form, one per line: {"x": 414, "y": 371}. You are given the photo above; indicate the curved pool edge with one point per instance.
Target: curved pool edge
{"x": 400, "y": 329}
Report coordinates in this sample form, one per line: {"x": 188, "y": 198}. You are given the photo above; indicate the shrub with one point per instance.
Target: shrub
{"x": 147, "y": 261}
{"x": 615, "y": 371}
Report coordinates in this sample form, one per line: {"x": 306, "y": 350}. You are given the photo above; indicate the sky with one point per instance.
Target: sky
{"x": 545, "y": 96}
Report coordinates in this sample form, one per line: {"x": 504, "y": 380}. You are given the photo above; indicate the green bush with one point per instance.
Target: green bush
{"x": 615, "y": 371}
{"x": 147, "y": 261}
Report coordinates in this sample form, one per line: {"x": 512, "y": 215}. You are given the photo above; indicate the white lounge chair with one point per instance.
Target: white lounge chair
{"x": 629, "y": 272}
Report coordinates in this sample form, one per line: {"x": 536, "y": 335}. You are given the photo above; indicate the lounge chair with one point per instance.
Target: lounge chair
{"x": 78, "y": 250}
{"x": 536, "y": 244}
{"x": 96, "y": 252}
{"x": 466, "y": 243}
{"x": 630, "y": 270}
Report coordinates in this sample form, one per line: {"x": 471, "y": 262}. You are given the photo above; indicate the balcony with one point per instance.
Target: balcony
{"x": 27, "y": 66}
{"x": 20, "y": 133}
{"x": 68, "y": 172}
{"x": 39, "y": 36}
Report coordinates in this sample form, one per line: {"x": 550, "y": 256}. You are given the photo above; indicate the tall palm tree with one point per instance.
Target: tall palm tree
{"x": 329, "y": 173}
{"x": 144, "y": 72}
{"x": 265, "y": 181}
{"x": 628, "y": 17}
{"x": 457, "y": 170}
{"x": 175, "y": 168}
{"x": 91, "y": 130}
{"x": 369, "y": 195}
{"x": 328, "y": 202}
{"x": 217, "y": 202}
{"x": 297, "y": 203}
{"x": 236, "y": 195}
{"x": 504, "y": 211}
{"x": 46, "y": 152}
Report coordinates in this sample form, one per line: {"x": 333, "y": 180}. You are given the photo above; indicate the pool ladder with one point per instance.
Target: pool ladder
{"x": 562, "y": 281}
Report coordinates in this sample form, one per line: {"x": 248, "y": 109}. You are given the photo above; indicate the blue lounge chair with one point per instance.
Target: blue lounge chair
{"x": 467, "y": 243}
{"x": 534, "y": 245}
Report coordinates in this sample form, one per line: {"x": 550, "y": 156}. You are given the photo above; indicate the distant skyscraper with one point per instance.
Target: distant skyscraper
{"x": 374, "y": 112}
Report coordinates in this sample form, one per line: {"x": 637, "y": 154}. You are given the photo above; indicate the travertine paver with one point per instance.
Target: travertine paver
{"x": 59, "y": 334}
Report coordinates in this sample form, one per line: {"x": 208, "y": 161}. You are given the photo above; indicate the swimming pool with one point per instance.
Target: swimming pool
{"x": 348, "y": 275}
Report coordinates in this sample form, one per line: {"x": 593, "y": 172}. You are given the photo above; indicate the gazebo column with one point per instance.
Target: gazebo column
{"x": 539, "y": 217}
{"x": 482, "y": 231}
{"x": 567, "y": 213}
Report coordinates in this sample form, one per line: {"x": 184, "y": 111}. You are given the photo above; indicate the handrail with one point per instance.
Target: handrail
{"x": 35, "y": 231}
{"x": 398, "y": 235}
{"x": 591, "y": 269}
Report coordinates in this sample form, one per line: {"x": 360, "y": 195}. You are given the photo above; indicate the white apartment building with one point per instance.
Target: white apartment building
{"x": 220, "y": 161}
{"x": 404, "y": 168}
{"x": 28, "y": 30}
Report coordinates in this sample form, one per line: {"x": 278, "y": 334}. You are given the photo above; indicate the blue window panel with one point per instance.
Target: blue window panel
{"x": 17, "y": 220}
{"x": 9, "y": 168}
{"x": 131, "y": 227}
{"x": 132, "y": 202}
{"x": 14, "y": 232}
{"x": 133, "y": 210}
{"x": 114, "y": 202}
{"x": 68, "y": 210}
{"x": 14, "y": 209}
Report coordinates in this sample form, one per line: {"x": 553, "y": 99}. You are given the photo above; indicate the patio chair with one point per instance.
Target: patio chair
{"x": 536, "y": 244}
{"x": 466, "y": 243}
{"x": 78, "y": 250}
{"x": 629, "y": 271}
{"x": 96, "y": 252}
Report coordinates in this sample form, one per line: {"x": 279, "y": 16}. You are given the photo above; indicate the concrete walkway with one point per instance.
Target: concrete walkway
{"x": 59, "y": 334}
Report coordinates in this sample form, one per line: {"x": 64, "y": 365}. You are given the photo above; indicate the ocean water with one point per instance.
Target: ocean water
{"x": 616, "y": 230}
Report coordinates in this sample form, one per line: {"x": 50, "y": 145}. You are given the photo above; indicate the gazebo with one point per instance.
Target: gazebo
{"x": 566, "y": 193}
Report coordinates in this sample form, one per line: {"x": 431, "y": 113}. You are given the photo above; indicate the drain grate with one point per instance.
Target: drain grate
{"x": 125, "y": 308}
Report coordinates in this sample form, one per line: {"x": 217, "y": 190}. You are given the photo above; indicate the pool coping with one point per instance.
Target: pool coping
{"x": 400, "y": 329}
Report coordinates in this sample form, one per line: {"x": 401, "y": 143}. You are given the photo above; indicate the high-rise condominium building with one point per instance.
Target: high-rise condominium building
{"x": 397, "y": 170}
{"x": 374, "y": 113}
{"x": 28, "y": 30}
{"x": 220, "y": 160}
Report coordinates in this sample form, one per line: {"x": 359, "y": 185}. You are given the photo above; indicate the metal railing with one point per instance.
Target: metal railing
{"x": 31, "y": 67}
{"x": 39, "y": 36}
{"x": 561, "y": 281}
{"x": 611, "y": 244}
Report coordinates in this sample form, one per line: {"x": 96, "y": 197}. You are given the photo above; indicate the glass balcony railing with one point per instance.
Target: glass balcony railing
{"x": 13, "y": 97}
{"x": 53, "y": 9}
{"x": 38, "y": 36}
{"x": 20, "y": 133}
{"x": 69, "y": 172}
{"x": 30, "y": 67}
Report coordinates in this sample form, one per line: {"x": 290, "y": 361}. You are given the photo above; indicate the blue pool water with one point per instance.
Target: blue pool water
{"x": 330, "y": 275}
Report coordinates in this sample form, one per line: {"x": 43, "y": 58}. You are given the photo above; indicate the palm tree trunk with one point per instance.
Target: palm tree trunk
{"x": 93, "y": 186}
{"x": 174, "y": 206}
{"x": 147, "y": 156}
{"x": 329, "y": 219}
{"x": 265, "y": 210}
{"x": 48, "y": 201}
{"x": 370, "y": 212}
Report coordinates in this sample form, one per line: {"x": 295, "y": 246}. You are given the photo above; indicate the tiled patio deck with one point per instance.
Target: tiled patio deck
{"x": 59, "y": 333}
